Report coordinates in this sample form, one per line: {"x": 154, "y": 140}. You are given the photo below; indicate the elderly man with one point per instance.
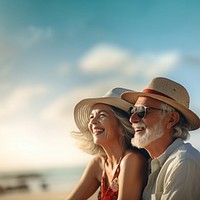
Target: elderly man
{"x": 161, "y": 118}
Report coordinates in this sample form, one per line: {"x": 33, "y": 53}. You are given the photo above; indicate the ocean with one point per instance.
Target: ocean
{"x": 35, "y": 181}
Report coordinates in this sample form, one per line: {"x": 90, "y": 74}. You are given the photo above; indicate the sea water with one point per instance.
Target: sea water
{"x": 33, "y": 181}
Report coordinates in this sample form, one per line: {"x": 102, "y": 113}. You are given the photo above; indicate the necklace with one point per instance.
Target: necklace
{"x": 113, "y": 186}
{"x": 110, "y": 172}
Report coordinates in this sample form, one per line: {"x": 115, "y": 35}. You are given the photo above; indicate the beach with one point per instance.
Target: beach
{"x": 40, "y": 196}
{"x": 46, "y": 184}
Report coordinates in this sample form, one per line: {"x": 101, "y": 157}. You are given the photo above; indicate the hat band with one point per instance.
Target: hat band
{"x": 149, "y": 91}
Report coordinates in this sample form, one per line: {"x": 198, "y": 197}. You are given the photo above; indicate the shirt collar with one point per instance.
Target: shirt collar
{"x": 158, "y": 162}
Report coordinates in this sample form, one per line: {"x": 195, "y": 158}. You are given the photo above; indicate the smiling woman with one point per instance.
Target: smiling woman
{"x": 118, "y": 168}
{"x": 104, "y": 125}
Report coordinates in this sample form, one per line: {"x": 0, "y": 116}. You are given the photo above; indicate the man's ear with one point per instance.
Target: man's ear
{"x": 174, "y": 119}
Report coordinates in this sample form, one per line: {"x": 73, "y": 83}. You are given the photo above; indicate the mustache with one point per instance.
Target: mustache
{"x": 139, "y": 125}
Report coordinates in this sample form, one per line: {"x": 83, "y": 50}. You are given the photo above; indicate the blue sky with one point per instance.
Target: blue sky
{"x": 54, "y": 53}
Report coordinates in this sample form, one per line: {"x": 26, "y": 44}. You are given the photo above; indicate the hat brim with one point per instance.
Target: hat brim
{"x": 83, "y": 109}
{"x": 192, "y": 119}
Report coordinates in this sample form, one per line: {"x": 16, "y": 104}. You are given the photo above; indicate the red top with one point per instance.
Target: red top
{"x": 109, "y": 192}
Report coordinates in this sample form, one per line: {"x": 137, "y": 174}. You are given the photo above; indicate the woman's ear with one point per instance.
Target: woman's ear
{"x": 173, "y": 120}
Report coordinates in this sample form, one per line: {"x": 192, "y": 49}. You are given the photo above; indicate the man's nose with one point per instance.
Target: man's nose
{"x": 134, "y": 118}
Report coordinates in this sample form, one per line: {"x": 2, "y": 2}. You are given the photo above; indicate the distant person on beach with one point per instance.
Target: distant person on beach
{"x": 118, "y": 169}
{"x": 161, "y": 119}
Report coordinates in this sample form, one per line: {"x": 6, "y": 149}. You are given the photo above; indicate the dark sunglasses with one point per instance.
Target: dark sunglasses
{"x": 141, "y": 111}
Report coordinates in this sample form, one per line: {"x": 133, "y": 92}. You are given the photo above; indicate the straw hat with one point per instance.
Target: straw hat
{"x": 83, "y": 108}
{"x": 169, "y": 92}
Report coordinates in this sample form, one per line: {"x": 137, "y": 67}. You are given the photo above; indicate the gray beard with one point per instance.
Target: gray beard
{"x": 150, "y": 135}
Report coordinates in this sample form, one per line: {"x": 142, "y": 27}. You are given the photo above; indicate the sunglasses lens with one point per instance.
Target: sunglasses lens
{"x": 140, "y": 110}
{"x": 131, "y": 110}
{"x": 141, "y": 114}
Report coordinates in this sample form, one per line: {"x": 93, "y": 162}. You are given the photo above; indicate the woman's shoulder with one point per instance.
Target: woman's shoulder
{"x": 134, "y": 156}
{"x": 98, "y": 160}
{"x": 97, "y": 166}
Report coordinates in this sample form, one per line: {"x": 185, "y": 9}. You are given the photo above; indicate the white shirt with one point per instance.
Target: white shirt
{"x": 175, "y": 175}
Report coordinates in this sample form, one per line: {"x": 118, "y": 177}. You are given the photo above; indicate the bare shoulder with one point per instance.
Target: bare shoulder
{"x": 134, "y": 158}
{"x": 134, "y": 168}
{"x": 97, "y": 163}
{"x": 98, "y": 160}
{"x": 97, "y": 166}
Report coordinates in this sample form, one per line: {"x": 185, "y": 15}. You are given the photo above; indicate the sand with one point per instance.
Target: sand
{"x": 39, "y": 196}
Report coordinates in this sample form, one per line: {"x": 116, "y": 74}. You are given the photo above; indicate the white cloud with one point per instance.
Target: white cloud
{"x": 37, "y": 145}
{"x": 103, "y": 58}
{"x": 39, "y": 142}
{"x": 60, "y": 111}
{"x": 19, "y": 98}
{"x": 150, "y": 65}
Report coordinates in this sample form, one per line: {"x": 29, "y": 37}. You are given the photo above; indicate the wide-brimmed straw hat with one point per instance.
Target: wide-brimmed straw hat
{"x": 169, "y": 92}
{"x": 83, "y": 109}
